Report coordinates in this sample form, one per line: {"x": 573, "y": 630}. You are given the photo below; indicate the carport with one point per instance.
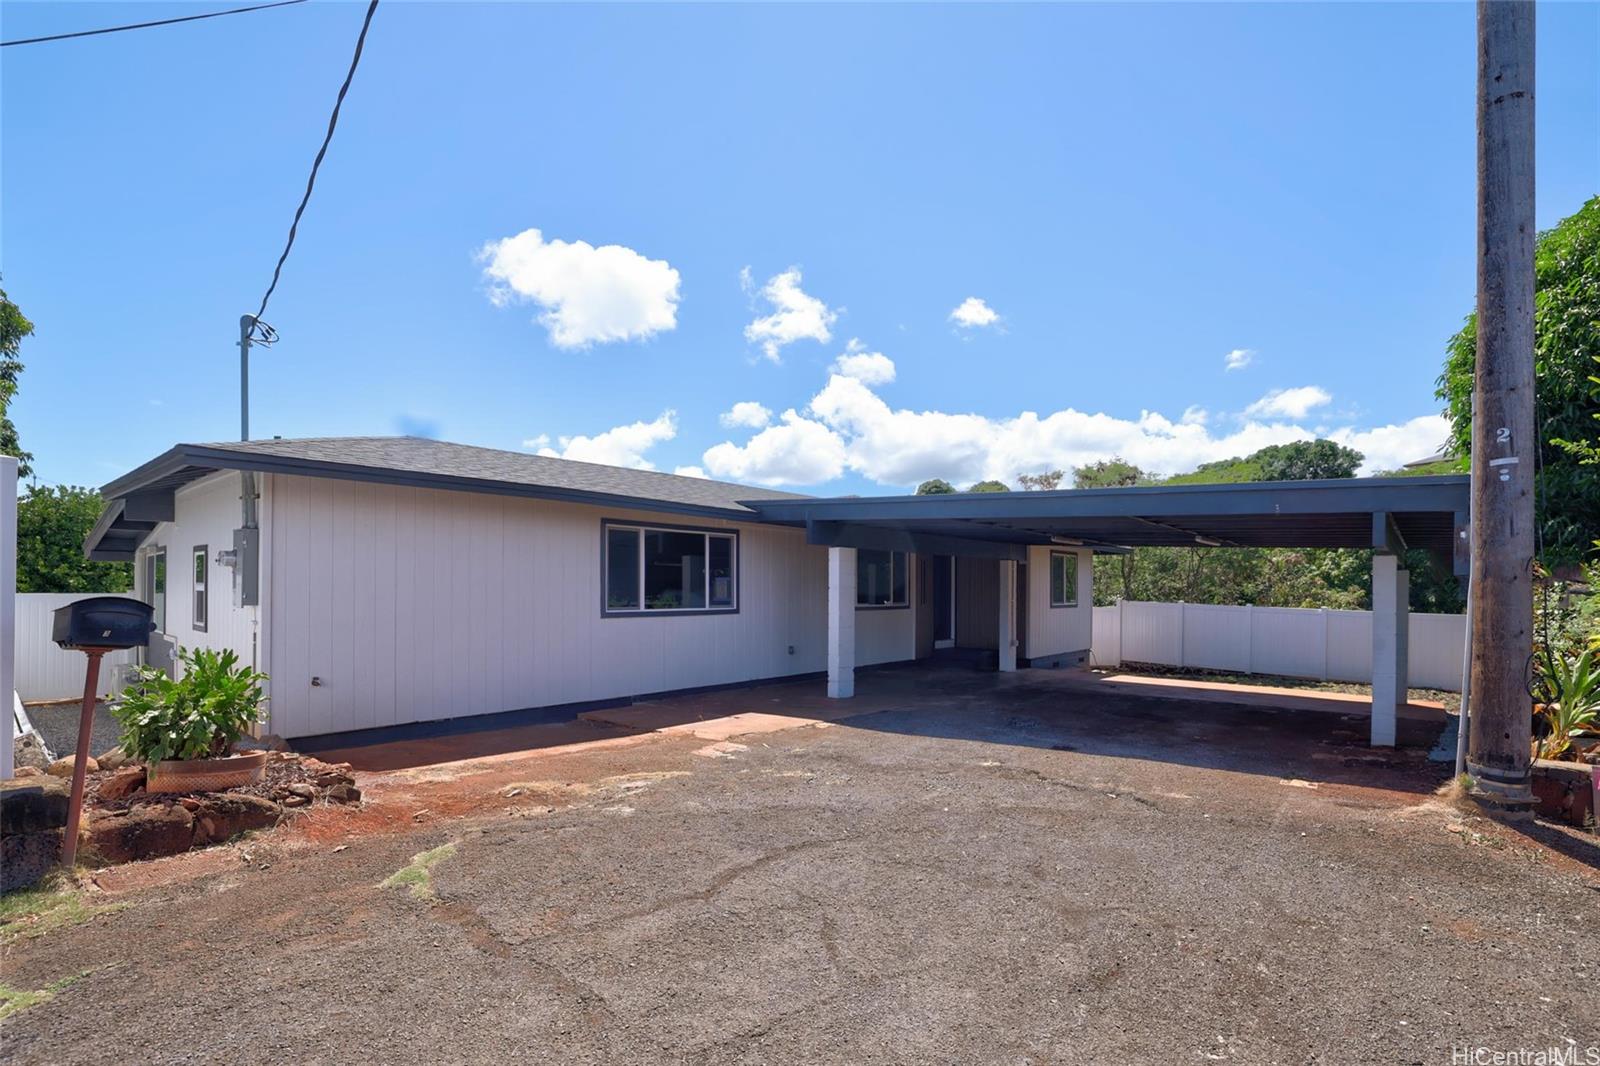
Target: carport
{"x": 1386, "y": 515}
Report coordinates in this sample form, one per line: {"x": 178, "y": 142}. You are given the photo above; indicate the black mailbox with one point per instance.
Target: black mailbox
{"x": 104, "y": 622}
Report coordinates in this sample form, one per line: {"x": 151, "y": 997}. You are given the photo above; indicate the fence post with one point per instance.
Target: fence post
{"x": 1183, "y": 635}
{"x": 1249, "y": 638}
{"x": 1324, "y": 612}
{"x": 1121, "y": 620}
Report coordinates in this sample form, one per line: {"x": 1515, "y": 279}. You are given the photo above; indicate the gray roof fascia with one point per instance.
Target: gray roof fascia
{"x": 188, "y": 455}
{"x": 1437, "y": 493}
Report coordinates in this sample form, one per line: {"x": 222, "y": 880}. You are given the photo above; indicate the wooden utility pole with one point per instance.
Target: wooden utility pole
{"x": 1504, "y": 442}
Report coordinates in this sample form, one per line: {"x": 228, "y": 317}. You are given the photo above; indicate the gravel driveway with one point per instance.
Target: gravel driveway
{"x": 997, "y": 875}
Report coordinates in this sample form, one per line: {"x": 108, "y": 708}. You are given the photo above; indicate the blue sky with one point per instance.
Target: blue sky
{"x": 775, "y": 207}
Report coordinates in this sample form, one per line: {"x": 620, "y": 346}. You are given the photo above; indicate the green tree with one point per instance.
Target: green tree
{"x": 936, "y": 487}
{"x": 52, "y": 524}
{"x": 1108, "y": 474}
{"x": 1266, "y": 577}
{"x": 1220, "y": 471}
{"x": 1587, "y": 452}
{"x": 1044, "y": 481}
{"x": 990, "y": 486}
{"x": 1307, "y": 460}
{"x": 13, "y": 327}
{"x": 1566, "y": 343}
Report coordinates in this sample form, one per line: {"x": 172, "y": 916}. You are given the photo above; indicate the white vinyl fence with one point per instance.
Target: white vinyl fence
{"x": 1287, "y": 641}
{"x": 44, "y": 671}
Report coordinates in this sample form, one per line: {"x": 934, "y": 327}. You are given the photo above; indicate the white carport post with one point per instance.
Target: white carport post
{"x": 841, "y": 623}
{"x": 1391, "y": 598}
{"x": 1008, "y": 616}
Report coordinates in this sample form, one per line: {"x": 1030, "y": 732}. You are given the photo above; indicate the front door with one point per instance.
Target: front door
{"x": 944, "y": 601}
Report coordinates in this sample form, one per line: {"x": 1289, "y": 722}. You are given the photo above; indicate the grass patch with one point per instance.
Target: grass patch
{"x": 417, "y": 875}
{"x": 33, "y": 912}
{"x": 17, "y": 1000}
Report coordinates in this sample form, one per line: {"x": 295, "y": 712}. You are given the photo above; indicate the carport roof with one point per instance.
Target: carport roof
{"x": 1377, "y": 512}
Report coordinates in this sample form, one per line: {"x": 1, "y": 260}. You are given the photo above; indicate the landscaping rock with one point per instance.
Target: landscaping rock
{"x": 293, "y": 800}
{"x": 124, "y": 782}
{"x": 32, "y": 814}
{"x": 34, "y": 805}
{"x": 300, "y": 788}
{"x": 267, "y": 742}
{"x": 142, "y": 833}
{"x": 62, "y": 767}
{"x": 226, "y": 816}
{"x": 26, "y": 857}
{"x": 114, "y": 759}
{"x": 29, "y": 771}
{"x": 344, "y": 794}
{"x": 28, "y": 750}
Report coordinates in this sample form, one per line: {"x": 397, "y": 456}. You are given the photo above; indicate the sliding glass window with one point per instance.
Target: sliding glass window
{"x": 880, "y": 578}
{"x": 664, "y": 569}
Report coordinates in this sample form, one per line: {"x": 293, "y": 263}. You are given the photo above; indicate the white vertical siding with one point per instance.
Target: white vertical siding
{"x": 205, "y": 512}
{"x": 420, "y": 604}
{"x": 1285, "y": 641}
{"x": 1057, "y": 630}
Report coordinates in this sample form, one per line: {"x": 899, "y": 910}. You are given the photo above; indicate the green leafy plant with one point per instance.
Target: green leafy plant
{"x": 1569, "y": 689}
{"x": 213, "y": 703}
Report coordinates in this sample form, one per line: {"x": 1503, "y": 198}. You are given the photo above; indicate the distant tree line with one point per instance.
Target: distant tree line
{"x": 1266, "y": 577}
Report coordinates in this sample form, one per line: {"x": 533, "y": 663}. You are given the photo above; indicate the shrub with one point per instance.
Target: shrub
{"x": 1570, "y": 692}
{"x": 212, "y": 704}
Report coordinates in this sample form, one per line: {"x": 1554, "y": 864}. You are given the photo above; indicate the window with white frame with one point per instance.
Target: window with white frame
{"x": 880, "y": 578}
{"x": 201, "y": 604}
{"x": 155, "y": 586}
{"x": 658, "y": 569}
{"x": 1063, "y": 579}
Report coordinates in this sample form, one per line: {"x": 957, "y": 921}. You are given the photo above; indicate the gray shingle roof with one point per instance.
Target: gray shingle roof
{"x": 404, "y": 459}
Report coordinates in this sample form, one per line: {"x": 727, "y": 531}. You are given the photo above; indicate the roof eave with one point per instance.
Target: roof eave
{"x": 184, "y": 456}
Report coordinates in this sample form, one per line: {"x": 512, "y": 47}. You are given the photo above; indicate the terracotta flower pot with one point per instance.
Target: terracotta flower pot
{"x": 206, "y": 775}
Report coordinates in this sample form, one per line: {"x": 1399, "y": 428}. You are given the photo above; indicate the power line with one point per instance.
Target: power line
{"x": 147, "y": 25}
{"x": 333, "y": 121}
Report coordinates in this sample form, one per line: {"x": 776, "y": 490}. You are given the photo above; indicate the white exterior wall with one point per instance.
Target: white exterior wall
{"x": 420, "y": 604}
{"x": 205, "y": 512}
{"x": 1057, "y": 630}
{"x": 889, "y": 634}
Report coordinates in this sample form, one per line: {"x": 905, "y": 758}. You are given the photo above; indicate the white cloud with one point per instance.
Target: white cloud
{"x": 1393, "y": 446}
{"x": 796, "y": 315}
{"x": 622, "y": 446}
{"x": 1238, "y": 359}
{"x": 974, "y": 313}
{"x": 589, "y": 294}
{"x": 689, "y": 471}
{"x": 1289, "y": 403}
{"x": 869, "y": 368}
{"x": 746, "y": 413}
{"x": 848, "y": 427}
{"x": 798, "y": 451}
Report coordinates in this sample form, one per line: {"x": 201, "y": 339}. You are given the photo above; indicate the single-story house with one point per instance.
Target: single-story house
{"x": 382, "y": 581}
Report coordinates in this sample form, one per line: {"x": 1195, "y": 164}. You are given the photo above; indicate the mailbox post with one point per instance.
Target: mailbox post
{"x": 80, "y": 761}
{"x": 94, "y": 626}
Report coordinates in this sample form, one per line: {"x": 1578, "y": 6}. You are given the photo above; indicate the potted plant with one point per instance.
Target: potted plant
{"x": 182, "y": 729}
